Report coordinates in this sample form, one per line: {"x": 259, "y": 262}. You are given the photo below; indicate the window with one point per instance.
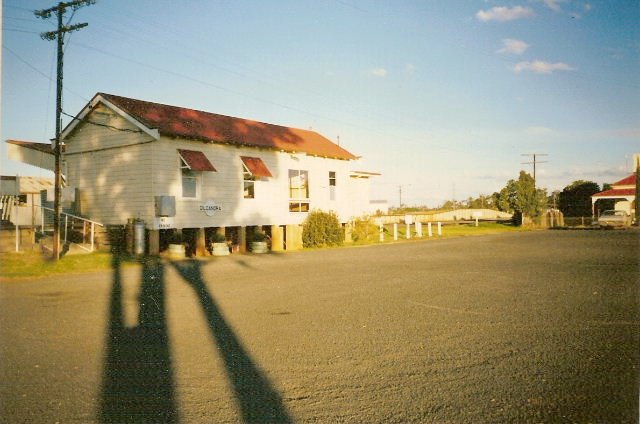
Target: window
{"x": 298, "y": 190}
{"x": 252, "y": 169}
{"x": 248, "y": 182}
{"x": 189, "y": 181}
{"x": 332, "y": 185}
{"x": 192, "y": 164}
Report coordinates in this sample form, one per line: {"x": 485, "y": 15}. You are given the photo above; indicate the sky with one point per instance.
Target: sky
{"x": 444, "y": 98}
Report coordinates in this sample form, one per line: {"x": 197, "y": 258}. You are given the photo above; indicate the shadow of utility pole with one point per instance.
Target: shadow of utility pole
{"x": 138, "y": 382}
{"x": 258, "y": 400}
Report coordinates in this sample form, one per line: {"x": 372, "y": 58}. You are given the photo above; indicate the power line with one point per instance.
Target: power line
{"x": 39, "y": 72}
{"x": 111, "y": 127}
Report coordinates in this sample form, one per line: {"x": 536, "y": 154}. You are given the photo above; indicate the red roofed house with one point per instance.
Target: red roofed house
{"x": 623, "y": 192}
{"x": 179, "y": 168}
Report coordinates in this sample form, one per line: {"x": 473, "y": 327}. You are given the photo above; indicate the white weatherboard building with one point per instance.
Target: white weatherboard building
{"x": 179, "y": 168}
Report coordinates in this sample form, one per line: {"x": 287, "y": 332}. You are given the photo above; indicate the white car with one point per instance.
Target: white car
{"x": 613, "y": 218}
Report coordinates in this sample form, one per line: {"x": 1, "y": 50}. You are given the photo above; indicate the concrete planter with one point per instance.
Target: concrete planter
{"x": 176, "y": 251}
{"x": 220, "y": 249}
{"x": 259, "y": 247}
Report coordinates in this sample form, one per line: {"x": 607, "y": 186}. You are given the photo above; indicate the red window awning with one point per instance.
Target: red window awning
{"x": 256, "y": 166}
{"x": 196, "y": 161}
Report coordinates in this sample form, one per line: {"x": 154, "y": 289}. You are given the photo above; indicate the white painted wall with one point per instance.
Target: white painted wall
{"x": 111, "y": 168}
{"x": 225, "y": 187}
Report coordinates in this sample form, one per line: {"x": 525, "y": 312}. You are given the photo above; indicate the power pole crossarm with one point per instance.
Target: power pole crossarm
{"x": 534, "y": 162}
{"x": 59, "y": 11}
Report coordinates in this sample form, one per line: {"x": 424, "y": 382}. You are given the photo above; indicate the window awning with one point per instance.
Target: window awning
{"x": 256, "y": 166}
{"x": 196, "y": 161}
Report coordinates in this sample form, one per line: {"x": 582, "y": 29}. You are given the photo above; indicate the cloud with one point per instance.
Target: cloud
{"x": 378, "y": 72}
{"x": 512, "y": 46}
{"x": 541, "y": 67}
{"x": 503, "y": 14}
{"x": 410, "y": 68}
{"x": 553, "y": 4}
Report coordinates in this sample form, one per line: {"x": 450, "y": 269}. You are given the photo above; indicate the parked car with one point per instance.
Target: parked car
{"x": 613, "y": 218}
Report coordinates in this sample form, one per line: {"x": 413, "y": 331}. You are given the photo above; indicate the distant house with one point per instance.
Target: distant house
{"x": 623, "y": 192}
{"x": 200, "y": 172}
{"x": 21, "y": 198}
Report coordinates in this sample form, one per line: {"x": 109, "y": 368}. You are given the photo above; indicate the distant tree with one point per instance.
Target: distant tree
{"x": 575, "y": 199}
{"x": 521, "y": 197}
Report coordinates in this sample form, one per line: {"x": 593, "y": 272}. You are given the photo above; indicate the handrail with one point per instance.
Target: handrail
{"x": 85, "y": 220}
{"x": 73, "y": 216}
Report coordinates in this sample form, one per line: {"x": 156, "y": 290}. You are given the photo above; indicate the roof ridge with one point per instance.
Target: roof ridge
{"x": 108, "y": 95}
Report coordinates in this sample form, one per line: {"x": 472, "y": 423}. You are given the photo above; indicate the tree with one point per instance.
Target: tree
{"x": 521, "y": 197}
{"x": 575, "y": 199}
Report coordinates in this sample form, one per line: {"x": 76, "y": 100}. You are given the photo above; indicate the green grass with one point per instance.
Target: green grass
{"x": 33, "y": 264}
{"x": 450, "y": 230}
{"x": 17, "y": 266}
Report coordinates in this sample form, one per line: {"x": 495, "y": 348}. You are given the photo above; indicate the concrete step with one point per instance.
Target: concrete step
{"x": 66, "y": 249}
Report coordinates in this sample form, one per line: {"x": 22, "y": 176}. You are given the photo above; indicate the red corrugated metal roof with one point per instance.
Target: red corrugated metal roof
{"x": 197, "y": 161}
{"x": 616, "y": 192}
{"x": 256, "y": 166}
{"x": 172, "y": 121}
{"x": 630, "y": 180}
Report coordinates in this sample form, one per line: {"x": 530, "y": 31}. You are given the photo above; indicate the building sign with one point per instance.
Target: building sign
{"x": 163, "y": 223}
{"x": 210, "y": 208}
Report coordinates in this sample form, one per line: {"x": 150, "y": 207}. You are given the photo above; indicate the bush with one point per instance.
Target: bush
{"x": 218, "y": 238}
{"x": 258, "y": 236}
{"x": 364, "y": 231}
{"x": 322, "y": 229}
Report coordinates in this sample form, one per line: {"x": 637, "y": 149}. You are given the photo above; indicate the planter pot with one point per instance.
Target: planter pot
{"x": 259, "y": 247}
{"x": 220, "y": 249}
{"x": 177, "y": 251}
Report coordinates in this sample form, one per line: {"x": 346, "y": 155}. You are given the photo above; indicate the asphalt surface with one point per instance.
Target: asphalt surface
{"x": 522, "y": 327}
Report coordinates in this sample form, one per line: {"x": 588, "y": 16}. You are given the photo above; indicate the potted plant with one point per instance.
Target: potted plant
{"x": 176, "y": 246}
{"x": 259, "y": 242}
{"x": 219, "y": 245}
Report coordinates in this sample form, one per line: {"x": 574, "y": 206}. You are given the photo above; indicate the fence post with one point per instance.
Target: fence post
{"x": 429, "y": 230}
{"x": 17, "y": 238}
{"x": 408, "y": 233}
{"x": 42, "y": 220}
{"x": 381, "y": 230}
{"x": 395, "y": 231}
{"x": 66, "y": 224}
{"x": 419, "y": 229}
{"x": 439, "y": 228}
{"x": 92, "y": 226}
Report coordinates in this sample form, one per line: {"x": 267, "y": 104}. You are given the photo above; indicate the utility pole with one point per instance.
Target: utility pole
{"x": 636, "y": 160}
{"x": 59, "y": 11}
{"x": 534, "y": 162}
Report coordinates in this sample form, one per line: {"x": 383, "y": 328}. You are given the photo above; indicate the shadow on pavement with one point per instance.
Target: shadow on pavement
{"x": 258, "y": 400}
{"x": 138, "y": 382}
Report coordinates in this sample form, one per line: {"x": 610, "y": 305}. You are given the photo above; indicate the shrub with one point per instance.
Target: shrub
{"x": 364, "y": 231}
{"x": 218, "y": 238}
{"x": 322, "y": 229}
{"x": 259, "y": 236}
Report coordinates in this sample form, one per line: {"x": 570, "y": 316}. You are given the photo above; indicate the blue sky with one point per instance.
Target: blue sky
{"x": 442, "y": 98}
